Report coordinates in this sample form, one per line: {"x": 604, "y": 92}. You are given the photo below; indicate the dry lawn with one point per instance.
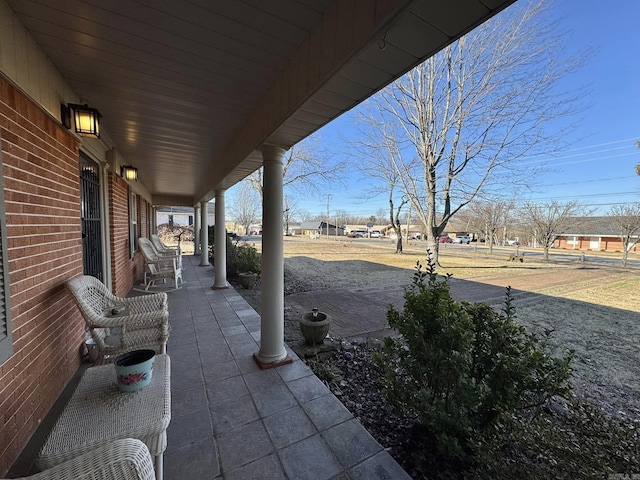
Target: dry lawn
{"x": 592, "y": 310}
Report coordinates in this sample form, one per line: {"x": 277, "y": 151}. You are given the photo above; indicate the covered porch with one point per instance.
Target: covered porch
{"x": 190, "y": 100}
{"x": 231, "y": 420}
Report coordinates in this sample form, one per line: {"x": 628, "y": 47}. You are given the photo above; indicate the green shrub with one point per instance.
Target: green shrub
{"x": 230, "y": 245}
{"x": 460, "y": 367}
{"x": 246, "y": 259}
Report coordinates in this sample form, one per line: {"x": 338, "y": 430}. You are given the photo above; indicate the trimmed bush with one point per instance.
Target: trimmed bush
{"x": 461, "y": 367}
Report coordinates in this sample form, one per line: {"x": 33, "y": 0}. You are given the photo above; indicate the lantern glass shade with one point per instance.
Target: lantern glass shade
{"x": 86, "y": 120}
{"x": 129, "y": 173}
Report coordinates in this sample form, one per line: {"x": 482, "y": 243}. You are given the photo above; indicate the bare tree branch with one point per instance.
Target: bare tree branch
{"x": 548, "y": 221}
{"x": 626, "y": 219}
{"x": 461, "y": 123}
{"x": 245, "y": 207}
{"x": 308, "y": 168}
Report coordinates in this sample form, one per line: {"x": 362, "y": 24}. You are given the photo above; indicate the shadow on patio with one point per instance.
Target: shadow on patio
{"x": 231, "y": 420}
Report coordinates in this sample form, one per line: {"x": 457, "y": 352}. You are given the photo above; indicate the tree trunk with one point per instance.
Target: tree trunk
{"x": 399, "y": 242}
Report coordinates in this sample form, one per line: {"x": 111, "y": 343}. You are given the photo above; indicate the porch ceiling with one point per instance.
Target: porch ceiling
{"x": 189, "y": 91}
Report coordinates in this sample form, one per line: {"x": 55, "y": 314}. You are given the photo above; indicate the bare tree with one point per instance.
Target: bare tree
{"x": 488, "y": 216}
{"x": 626, "y": 219}
{"x": 548, "y": 221}
{"x": 305, "y": 216}
{"x": 245, "y": 206}
{"x": 394, "y": 216}
{"x": 464, "y": 120}
{"x": 383, "y": 164}
{"x": 290, "y": 211}
{"x": 307, "y": 169}
{"x": 381, "y": 216}
{"x": 342, "y": 217}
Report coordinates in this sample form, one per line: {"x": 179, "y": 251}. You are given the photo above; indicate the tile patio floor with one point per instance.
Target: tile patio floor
{"x": 232, "y": 421}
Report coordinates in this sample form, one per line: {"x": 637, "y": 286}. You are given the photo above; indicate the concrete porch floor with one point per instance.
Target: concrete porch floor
{"x": 231, "y": 420}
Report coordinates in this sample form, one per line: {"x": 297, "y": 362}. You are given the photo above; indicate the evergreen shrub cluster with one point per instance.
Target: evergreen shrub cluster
{"x": 242, "y": 257}
{"x": 462, "y": 369}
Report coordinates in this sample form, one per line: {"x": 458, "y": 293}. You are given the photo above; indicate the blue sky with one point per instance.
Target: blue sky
{"x": 597, "y": 168}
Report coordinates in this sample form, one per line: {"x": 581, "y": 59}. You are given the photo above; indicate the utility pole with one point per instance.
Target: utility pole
{"x": 408, "y": 223}
{"x": 328, "y": 197}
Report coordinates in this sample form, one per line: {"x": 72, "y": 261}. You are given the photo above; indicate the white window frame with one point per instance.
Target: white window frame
{"x": 133, "y": 223}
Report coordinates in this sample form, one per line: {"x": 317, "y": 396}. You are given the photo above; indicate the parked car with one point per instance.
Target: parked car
{"x": 462, "y": 239}
{"x": 376, "y": 234}
{"x": 445, "y": 239}
{"x": 355, "y": 234}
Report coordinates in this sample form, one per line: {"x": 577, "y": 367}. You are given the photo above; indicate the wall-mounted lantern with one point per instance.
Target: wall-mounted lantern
{"x": 86, "y": 120}
{"x": 129, "y": 173}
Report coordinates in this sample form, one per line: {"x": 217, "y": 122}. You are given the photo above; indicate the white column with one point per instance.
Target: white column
{"x": 204, "y": 235}
{"x": 272, "y": 351}
{"x": 196, "y": 230}
{"x": 220, "y": 247}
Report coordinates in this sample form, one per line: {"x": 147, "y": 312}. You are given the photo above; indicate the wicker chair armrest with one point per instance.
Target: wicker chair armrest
{"x": 135, "y": 321}
{"x": 121, "y": 459}
{"x": 168, "y": 254}
{"x": 146, "y": 303}
{"x": 144, "y": 320}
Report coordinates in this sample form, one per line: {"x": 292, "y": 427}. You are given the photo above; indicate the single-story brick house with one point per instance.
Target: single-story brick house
{"x": 596, "y": 234}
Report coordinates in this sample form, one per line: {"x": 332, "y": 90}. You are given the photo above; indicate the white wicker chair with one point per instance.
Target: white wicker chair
{"x": 160, "y": 267}
{"x": 143, "y": 323}
{"x": 162, "y": 248}
{"x": 119, "y": 460}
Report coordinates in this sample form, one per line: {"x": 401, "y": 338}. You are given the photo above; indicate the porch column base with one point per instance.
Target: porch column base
{"x": 265, "y": 365}
{"x": 224, "y": 287}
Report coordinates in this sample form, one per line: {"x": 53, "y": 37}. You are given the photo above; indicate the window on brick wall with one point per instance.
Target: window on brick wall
{"x": 133, "y": 223}
{"x": 6, "y": 344}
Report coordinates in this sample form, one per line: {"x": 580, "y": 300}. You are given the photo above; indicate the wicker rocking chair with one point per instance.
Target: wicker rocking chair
{"x": 159, "y": 266}
{"x": 161, "y": 248}
{"x": 118, "y": 324}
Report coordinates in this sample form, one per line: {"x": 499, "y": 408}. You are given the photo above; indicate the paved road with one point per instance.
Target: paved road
{"x": 554, "y": 255}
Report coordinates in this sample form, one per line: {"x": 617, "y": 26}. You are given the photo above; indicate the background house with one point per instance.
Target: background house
{"x": 594, "y": 233}
{"x": 182, "y": 216}
{"x": 314, "y": 229}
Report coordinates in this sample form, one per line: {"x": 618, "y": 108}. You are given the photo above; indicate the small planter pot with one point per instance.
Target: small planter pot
{"x": 315, "y": 328}
{"x": 134, "y": 369}
{"x": 247, "y": 280}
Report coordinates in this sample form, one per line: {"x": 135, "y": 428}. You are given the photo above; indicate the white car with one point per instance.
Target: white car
{"x": 461, "y": 239}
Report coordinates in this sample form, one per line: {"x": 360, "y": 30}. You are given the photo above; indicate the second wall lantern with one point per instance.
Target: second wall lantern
{"x": 129, "y": 173}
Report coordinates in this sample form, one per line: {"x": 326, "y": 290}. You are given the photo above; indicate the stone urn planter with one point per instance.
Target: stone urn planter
{"x": 314, "y": 326}
{"x": 247, "y": 280}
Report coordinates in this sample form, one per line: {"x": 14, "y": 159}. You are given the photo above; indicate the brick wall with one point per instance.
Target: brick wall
{"x": 124, "y": 270}
{"x": 609, "y": 244}
{"x": 40, "y": 170}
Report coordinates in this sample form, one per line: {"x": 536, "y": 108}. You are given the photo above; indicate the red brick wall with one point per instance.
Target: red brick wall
{"x": 124, "y": 270}
{"x": 609, "y": 244}
{"x": 40, "y": 170}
